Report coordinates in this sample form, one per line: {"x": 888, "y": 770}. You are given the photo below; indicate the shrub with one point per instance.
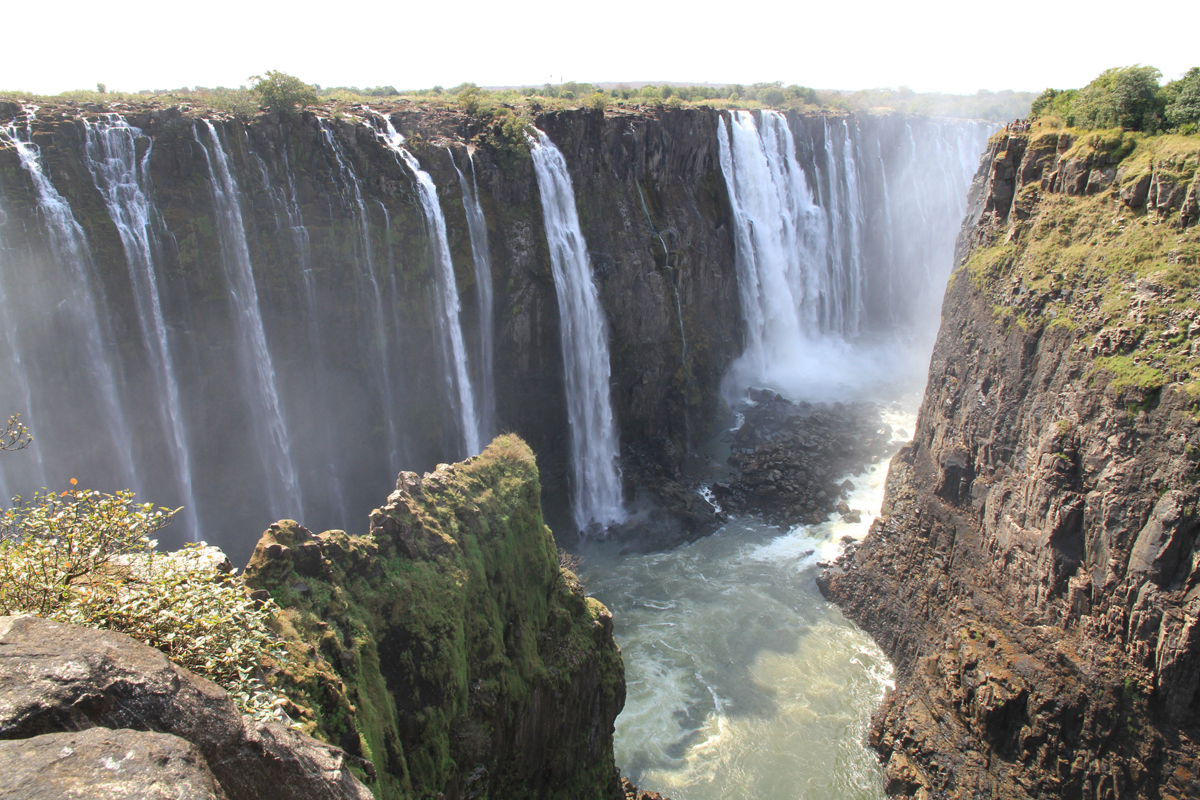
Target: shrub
{"x": 507, "y": 136}
{"x": 282, "y": 92}
{"x": 88, "y": 558}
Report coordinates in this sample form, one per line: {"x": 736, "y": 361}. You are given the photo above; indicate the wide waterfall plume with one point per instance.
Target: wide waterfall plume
{"x": 274, "y": 438}
{"x": 844, "y": 234}
{"x": 123, "y": 180}
{"x": 75, "y": 336}
{"x": 596, "y": 493}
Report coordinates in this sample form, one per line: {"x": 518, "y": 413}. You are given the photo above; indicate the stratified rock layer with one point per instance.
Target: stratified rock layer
{"x": 1034, "y": 572}
{"x": 446, "y": 645}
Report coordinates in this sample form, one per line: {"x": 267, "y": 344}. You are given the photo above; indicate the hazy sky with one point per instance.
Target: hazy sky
{"x": 929, "y": 45}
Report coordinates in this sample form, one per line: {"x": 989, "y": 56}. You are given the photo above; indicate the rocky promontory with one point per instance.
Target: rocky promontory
{"x": 1034, "y": 572}
{"x": 445, "y": 645}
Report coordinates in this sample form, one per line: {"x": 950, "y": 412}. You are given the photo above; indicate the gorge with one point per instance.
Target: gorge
{"x": 301, "y": 297}
{"x": 270, "y": 318}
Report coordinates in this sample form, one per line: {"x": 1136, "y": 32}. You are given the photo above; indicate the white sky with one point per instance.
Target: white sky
{"x": 929, "y": 45}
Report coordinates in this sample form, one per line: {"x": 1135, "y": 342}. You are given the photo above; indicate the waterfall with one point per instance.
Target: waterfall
{"x": 367, "y": 286}
{"x": 770, "y": 201}
{"x": 596, "y": 489}
{"x": 284, "y": 486}
{"x": 123, "y": 181}
{"x": 477, "y": 229}
{"x": 78, "y": 331}
{"x": 15, "y": 392}
{"x": 822, "y": 272}
{"x": 449, "y": 310}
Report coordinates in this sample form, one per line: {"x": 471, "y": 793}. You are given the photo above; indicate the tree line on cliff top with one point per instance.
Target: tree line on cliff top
{"x": 1126, "y": 97}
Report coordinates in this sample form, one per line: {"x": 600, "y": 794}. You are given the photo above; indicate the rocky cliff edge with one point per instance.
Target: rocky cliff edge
{"x": 1034, "y": 573}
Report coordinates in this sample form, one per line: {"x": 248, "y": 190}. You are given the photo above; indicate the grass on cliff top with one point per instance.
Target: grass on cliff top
{"x": 1092, "y": 262}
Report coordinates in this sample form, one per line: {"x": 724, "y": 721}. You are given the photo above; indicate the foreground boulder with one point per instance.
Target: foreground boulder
{"x": 59, "y": 679}
{"x": 99, "y": 762}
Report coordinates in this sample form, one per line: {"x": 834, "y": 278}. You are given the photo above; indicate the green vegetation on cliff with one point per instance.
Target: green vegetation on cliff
{"x": 1098, "y": 230}
{"x": 446, "y": 646}
{"x": 282, "y": 92}
{"x": 1126, "y": 97}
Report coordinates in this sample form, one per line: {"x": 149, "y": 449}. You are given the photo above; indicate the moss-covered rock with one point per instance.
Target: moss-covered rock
{"x": 446, "y": 645}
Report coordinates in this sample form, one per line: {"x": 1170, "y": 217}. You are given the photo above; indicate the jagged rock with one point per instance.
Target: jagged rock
{"x": 60, "y": 677}
{"x": 105, "y": 765}
{"x": 1135, "y": 193}
{"x": 631, "y": 792}
{"x": 789, "y": 456}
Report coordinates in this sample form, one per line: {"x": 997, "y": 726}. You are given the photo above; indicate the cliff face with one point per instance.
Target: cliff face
{"x": 445, "y": 645}
{"x": 1034, "y": 572}
{"x": 344, "y": 270}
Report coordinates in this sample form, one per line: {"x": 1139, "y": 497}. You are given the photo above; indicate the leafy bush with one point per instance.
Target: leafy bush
{"x": 282, "y": 92}
{"x": 1183, "y": 99}
{"x": 1054, "y": 103}
{"x": 87, "y": 558}
{"x": 1121, "y": 97}
{"x": 198, "y": 616}
{"x": 507, "y": 136}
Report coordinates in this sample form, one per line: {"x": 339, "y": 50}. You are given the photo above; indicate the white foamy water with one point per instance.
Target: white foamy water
{"x": 743, "y": 682}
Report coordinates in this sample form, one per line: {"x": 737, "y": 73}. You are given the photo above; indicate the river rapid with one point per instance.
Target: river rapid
{"x": 742, "y": 680}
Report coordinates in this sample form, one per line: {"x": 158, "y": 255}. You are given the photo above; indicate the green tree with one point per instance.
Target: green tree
{"x": 282, "y": 92}
{"x": 1121, "y": 97}
{"x": 1183, "y": 99}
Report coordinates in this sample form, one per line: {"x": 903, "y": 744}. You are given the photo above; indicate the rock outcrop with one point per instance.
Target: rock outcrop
{"x": 1034, "y": 572}
{"x": 93, "y": 713}
{"x": 445, "y": 644}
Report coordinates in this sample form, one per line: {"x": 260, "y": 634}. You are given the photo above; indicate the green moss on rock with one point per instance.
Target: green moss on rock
{"x": 446, "y": 646}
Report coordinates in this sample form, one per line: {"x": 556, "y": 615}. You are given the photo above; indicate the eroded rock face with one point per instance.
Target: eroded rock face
{"x": 66, "y": 678}
{"x": 1034, "y": 572}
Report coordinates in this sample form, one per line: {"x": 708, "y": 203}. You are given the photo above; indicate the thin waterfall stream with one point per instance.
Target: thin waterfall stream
{"x": 449, "y": 316}
{"x": 596, "y": 490}
{"x": 481, "y": 258}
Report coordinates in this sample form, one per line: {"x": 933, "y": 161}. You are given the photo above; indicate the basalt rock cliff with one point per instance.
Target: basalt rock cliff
{"x": 1035, "y": 572}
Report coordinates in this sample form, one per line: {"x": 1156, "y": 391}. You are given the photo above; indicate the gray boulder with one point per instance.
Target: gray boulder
{"x": 57, "y": 678}
{"x": 103, "y": 763}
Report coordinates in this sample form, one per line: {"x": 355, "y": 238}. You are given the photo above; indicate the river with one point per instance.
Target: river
{"x": 742, "y": 680}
